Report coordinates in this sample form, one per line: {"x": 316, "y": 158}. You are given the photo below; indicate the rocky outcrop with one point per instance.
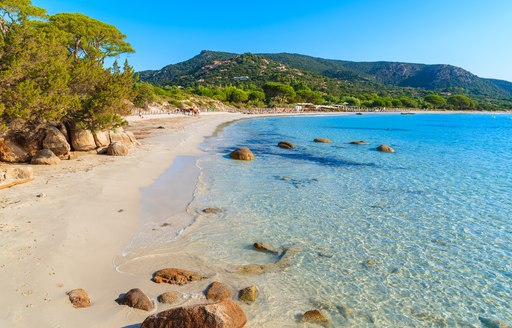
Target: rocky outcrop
{"x": 315, "y": 317}
{"x": 218, "y": 291}
{"x": 360, "y": 142}
{"x": 285, "y": 145}
{"x": 225, "y": 314}
{"x": 168, "y": 298}
{"x": 82, "y": 140}
{"x": 385, "y": 149}
{"x": 176, "y": 276}
{"x": 101, "y": 138}
{"x": 45, "y": 157}
{"x": 79, "y": 298}
{"x": 242, "y": 154}
{"x": 136, "y": 299}
{"x": 265, "y": 248}
{"x": 56, "y": 141}
{"x": 322, "y": 140}
{"x": 12, "y": 152}
{"x": 248, "y": 294}
{"x": 117, "y": 149}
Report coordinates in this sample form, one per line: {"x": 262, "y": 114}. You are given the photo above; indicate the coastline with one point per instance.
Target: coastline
{"x": 85, "y": 216}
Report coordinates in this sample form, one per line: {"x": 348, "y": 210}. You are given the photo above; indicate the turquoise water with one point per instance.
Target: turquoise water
{"x": 418, "y": 238}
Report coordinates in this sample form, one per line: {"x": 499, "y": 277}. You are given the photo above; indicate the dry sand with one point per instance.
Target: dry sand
{"x": 68, "y": 228}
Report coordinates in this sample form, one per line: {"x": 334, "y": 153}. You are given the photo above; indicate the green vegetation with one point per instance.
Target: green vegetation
{"x": 52, "y": 69}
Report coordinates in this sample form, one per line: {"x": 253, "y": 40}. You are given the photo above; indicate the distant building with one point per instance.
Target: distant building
{"x": 241, "y": 78}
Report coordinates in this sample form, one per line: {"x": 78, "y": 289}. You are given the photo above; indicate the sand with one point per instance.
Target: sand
{"x": 71, "y": 225}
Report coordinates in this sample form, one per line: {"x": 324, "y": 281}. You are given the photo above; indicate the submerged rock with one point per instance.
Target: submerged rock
{"x": 265, "y": 248}
{"x": 385, "y": 149}
{"x": 176, "y": 276}
{"x": 168, "y": 298}
{"x": 225, "y": 314}
{"x": 79, "y": 298}
{"x": 248, "y": 294}
{"x": 136, "y": 299}
{"x": 316, "y": 317}
{"x": 361, "y": 142}
{"x": 323, "y": 140}
{"x": 242, "y": 154}
{"x": 218, "y": 291}
{"x": 493, "y": 323}
{"x": 211, "y": 210}
{"x": 283, "y": 262}
{"x": 285, "y": 145}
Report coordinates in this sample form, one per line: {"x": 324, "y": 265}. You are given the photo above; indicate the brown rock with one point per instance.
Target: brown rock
{"x": 242, "y": 154}
{"x": 316, "y": 317}
{"x": 211, "y": 210}
{"x": 56, "y": 142}
{"x": 11, "y": 152}
{"x": 324, "y": 140}
{"x": 263, "y": 247}
{"x": 361, "y": 142}
{"x": 136, "y": 298}
{"x": 118, "y": 135}
{"x": 168, "y": 298}
{"x": 385, "y": 149}
{"x": 248, "y": 294}
{"x": 218, "y": 291}
{"x": 117, "y": 149}
{"x": 176, "y": 276}
{"x": 79, "y": 298}
{"x": 82, "y": 140}
{"x": 285, "y": 145}
{"x": 101, "y": 138}
{"x": 225, "y": 314}
{"x": 45, "y": 157}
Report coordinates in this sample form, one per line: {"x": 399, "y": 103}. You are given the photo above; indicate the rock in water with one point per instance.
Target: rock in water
{"x": 385, "y": 149}
{"x": 248, "y": 294}
{"x": 136, "y": 298}
{"x": 79, "y": 298}
{"x": 360, "y": 142}
{"x": 56, "y": 142}
{"x": 493, "y": 323}
{"x": 316, "y": 317}
{"x": 242, "y": 154}
{"x": 45, "y": 157}
{"x": 82, "y": 140}
{"x": 117, "y": 149}
{"x": 211, "y": 210}
{"x": 225, "y": 314}
{"x": 323, "y": 140}
{"x": 263, "y": 247}
{"x": 285, "y": 145}
{"x": 176, "y": 276}
{"x": 218, "y": 291}
{"x": 168, "y": 298}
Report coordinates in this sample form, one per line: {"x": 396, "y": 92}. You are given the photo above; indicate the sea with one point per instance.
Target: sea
{"x": 421, "y": 237}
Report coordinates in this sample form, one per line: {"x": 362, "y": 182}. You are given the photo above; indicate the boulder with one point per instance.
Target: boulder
{"x": 168, "y": 298}
{"x": 56, "y": 142}
{"x": 118, "y": 135}
{"x": 385, "y": 149}
{"x": 12, "y": 152}
{"x": 218, "y": 291}
{"x": 285, "y": 145}
{"x": 136, "y": 299}
{"x": 360, "y": 142}
{"x": 176, "y": 276}
{"x": 315, "y": 317}
{"x": 324, "y": 140}
{"x": 265, "y": 248}
{"x": 132, "y": 137}
{"x": 242, "y": 154}
{"x": 101, "y": 138}
{"x": 45, "y": 157}
{"x": 79, "y": 298}
{"x": 248, "y": 294}
{"x": 82, "y": 140}
{"x": 117, "y": 149}
{"x": 225, "y": 314}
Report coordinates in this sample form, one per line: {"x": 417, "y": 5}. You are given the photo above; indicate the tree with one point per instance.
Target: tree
{"x": 17, "y": 12}
{"x": 435, "y": 101}
{"x": 278, "y": 92}
{"x": 144, "y": 95}
{"x": 461, "y": 102}
{"x": 408, "y": 102}
{"x": 352, "y": 101}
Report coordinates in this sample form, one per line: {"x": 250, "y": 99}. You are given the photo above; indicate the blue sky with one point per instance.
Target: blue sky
{"x": 473, "y": 34}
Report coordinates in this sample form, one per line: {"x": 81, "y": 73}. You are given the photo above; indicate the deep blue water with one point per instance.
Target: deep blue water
{"x": 420, "y": 237}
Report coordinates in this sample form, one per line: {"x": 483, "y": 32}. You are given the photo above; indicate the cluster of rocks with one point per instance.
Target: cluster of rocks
{"x": 50, "y": 144}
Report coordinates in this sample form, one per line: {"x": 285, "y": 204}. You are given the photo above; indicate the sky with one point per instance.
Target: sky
{"x": 473, "y": 34}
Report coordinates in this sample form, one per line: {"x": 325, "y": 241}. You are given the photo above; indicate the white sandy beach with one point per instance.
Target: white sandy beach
{"x": 71, "y": 236}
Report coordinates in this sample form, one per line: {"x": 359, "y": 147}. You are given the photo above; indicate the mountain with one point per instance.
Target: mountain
{"x": 221, "y": 68}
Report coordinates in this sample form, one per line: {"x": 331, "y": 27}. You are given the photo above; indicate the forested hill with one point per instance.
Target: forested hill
{"x": 221, "y": 68}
